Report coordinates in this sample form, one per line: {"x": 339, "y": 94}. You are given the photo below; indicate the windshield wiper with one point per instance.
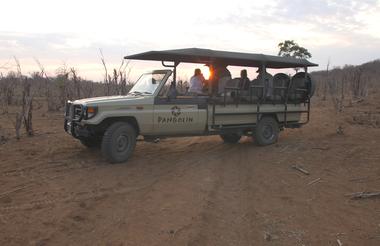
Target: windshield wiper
{"x": 135, "y": 93}
{"x": 139, "y": 93}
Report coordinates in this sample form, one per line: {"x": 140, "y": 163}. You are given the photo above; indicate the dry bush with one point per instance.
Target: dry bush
{"x": 355, "y": 82}
{"x": 27, "y": 107}
{"x": 8, "y": 86}
{"x": 347, "y": 85}
{"x": 116, "y": 84}
{"x": 18, "y": 91}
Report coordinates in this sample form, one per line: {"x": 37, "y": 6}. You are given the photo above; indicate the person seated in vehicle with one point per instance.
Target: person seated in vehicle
{"x": 196, "y": 82}
{"x": 267, "y": 78}
{"x": 220, "y": 75}
{"x": 172, "y": 93}
{"x": 244, "y": 82}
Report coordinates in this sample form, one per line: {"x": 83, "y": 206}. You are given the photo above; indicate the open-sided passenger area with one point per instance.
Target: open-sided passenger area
{"x": 279, "y": 89}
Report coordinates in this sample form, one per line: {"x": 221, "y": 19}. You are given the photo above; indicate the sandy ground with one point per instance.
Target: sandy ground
{"x": 193, "y": 191}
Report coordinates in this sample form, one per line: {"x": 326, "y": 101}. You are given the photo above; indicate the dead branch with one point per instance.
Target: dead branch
{"x": 364, "y": 195}
{"x": 106, "y": 76}
{"x": 18, "y": 66}
{"x": 48, "y": 94}
{"x": 18, "y": 125}
{"x": 339, "y": 242}
{"x": 296, "y": 167}
{"x": 76, "y": 82}
{"x": 314, "y": 181}
{"x": 27, "y": 108}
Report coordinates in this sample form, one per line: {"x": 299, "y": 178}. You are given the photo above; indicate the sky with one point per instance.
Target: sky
{"x": 71, "y": 32}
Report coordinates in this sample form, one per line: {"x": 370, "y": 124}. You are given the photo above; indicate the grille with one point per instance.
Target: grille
{"x": 73, "y": 111}
{"x": 77, "y": 112}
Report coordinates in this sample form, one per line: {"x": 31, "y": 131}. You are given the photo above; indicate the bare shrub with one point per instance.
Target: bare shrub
{"x": 359, "y": 85}
{"x": 8, "y": 85}
{"x": 44, "y": 79}
{"x": 348, "y": 85}
{"x": 27, "y": 107}
{"x": 88, "y": 88}
{"x": 117, "y": 83}
{"x": 21, "y": 94}
{"x": 76, "y": 81}
{"x": 357, "y": 81}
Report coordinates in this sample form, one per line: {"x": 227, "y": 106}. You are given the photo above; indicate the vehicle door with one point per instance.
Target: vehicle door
{"x": 182, "y": 115}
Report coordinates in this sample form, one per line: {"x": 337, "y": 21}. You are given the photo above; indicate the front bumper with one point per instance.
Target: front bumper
{"x": 76, "y": 130}
{"x": 73, "y": 116}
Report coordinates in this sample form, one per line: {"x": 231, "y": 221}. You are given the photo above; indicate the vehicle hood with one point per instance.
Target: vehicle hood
{"x": 99, "y": 101}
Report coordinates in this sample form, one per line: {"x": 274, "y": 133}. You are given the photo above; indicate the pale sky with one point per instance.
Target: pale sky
{"x": 71, "y": 32}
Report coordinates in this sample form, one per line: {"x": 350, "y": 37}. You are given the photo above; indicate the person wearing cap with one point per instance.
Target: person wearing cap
{"x": 267, "y": 78}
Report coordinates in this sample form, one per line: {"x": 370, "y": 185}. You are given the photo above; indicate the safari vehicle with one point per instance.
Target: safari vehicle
{"x": 150, "y": 110}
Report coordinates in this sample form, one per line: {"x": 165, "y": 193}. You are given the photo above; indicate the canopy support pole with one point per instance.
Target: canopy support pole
{"x": 174, "y": 66}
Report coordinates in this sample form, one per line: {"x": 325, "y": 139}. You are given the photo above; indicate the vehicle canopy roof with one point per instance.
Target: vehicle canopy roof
{"x": 207, "y": 56}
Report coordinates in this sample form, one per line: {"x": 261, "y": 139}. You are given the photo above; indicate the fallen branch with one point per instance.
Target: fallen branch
{"x": 300, "y": 169}
{"x": 314, "y": 181}
{"x": 364, "y": 195}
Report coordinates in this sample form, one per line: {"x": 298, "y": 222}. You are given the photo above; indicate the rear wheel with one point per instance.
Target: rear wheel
{"x": 267, "y": 131}
{"x": 119, "y": 141}
{"x": 231, "y": 137}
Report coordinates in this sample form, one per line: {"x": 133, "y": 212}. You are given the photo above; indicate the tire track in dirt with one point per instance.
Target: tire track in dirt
{"x": 188, "y": 174}
{"x": 228, "y": 203}
{"x": 164, "y": 171}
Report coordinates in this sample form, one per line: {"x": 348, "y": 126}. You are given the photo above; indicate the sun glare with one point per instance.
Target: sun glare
{"x": 206, "y": 73}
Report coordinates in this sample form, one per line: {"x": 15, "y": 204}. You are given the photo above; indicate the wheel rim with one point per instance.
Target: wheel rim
{"x": 122, "y": 143}
{"x": 268, "y": 132}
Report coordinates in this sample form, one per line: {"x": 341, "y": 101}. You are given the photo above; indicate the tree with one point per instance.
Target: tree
{"x": 289, "y": 48}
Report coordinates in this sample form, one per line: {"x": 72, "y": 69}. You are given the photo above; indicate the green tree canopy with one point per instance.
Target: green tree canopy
{"x": 289, "y": 48}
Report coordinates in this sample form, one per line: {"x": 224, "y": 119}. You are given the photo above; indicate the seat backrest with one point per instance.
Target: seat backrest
{"x": 222, "y": 83}
{"x": 258, "y": 91}
{"x": 299, "y": 89}
{"x": 280, "y": 81}
{"x": 233, "y": 82}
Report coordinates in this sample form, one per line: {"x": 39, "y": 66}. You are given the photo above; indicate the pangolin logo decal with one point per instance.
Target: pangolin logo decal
{"x": 176, "y": 111}
{"x": 175, "y": 118}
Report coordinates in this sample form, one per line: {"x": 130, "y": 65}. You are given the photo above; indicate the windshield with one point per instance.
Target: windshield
{"x": 148, "y": 83}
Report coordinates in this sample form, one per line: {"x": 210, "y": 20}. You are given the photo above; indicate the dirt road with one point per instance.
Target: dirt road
{"x": 193, "y": 191}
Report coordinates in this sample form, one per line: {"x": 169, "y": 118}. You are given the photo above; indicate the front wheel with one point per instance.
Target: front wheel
{"x": 91, "y": 142}
{"x": 119, "y": 141}
{"x": 230, "y": 137}
{"x": 266, "y": 131}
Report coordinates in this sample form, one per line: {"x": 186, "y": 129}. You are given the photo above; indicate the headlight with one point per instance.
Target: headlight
{"x": 91, "y": 111}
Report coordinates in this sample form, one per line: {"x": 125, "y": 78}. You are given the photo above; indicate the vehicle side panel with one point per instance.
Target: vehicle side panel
{"x": 247, "y": 114}
{"x": 172, "y": 119}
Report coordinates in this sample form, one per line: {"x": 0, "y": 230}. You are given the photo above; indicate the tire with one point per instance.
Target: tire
{"x": 91, "y": 142}
{"x": 266, "y": 131}
{"x": 119, "y": 141}
{"x": 231, "y": 137}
